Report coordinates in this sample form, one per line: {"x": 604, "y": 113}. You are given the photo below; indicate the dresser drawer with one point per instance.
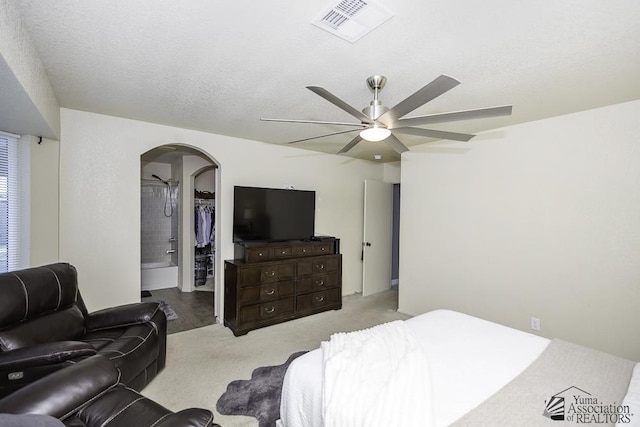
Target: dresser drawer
{"x": 303, "y": 250}
{"x": 318, "y": 265}
{"x": 267, "y": 252}
{"x": 282, "y": 252}
{"x": 255, "y": 294}
{"x": 317, "y": 283}
{"x": 324, "y": 248}
{"x": 259, "y": 254}
{"x": 267, "y": 310}
{"x": 317, "y": 299}
{"x": 269, "y": 273}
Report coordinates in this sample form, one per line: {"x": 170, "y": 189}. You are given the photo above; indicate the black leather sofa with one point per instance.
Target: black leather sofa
{"x": 45, "y": 326}
{"x": 84, "y": 369}
{"x": 89, "y": 394}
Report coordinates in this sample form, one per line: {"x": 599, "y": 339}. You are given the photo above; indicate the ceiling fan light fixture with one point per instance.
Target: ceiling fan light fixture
{"x": 376, "y": 121}
{"x": 375, "y": 133}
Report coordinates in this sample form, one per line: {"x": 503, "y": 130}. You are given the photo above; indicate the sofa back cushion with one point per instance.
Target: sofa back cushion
{"x": 39, "y": 305}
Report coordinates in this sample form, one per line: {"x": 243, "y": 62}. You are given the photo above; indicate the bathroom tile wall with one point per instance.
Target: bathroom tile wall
{"x": 159, "y": 224}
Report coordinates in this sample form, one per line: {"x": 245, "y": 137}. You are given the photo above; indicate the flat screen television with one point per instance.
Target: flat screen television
{"x": 272, "y": 214}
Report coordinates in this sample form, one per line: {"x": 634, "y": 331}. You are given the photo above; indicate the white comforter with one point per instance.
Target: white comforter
{"x": 376, "y": 377}
{"x": 469, "y": 359}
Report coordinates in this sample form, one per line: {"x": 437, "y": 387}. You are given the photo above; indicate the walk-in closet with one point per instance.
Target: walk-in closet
{"x": 204, "y": 217}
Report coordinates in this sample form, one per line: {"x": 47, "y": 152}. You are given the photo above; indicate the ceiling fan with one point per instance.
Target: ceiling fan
{"x": 380, "y": 123}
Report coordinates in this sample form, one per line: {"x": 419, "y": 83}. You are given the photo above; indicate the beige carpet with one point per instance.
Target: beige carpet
{"x": 201, "y": 362}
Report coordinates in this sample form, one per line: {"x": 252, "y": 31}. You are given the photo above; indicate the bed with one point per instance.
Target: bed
{"x": 476, "y": 369}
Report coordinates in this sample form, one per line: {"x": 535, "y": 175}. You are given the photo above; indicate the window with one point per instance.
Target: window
{"x": 14, "y": 200}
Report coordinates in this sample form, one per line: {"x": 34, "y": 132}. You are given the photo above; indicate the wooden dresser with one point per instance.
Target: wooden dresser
{"x": 269, "y": 283}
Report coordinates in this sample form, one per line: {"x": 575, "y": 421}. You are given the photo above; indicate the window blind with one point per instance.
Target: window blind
{"x": 14, "y": 202}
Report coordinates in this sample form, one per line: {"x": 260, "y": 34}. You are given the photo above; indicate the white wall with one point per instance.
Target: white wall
{"x": 163, "y": 170}
{"x": 391, "y": 172}
{"x": 43, "y": 227}
{"x": 100, "y": 196}
{"x": 540, "y": 219}
{"x": 206, "y": 181}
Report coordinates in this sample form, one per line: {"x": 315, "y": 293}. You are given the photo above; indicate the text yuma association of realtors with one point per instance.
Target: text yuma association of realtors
{"x": 589, "y": 410}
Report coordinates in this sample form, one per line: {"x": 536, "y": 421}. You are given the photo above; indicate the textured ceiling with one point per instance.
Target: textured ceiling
{"x": 220, "y": 67}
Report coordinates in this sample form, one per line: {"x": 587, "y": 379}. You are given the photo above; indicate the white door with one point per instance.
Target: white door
{"x": 377, "y": 244}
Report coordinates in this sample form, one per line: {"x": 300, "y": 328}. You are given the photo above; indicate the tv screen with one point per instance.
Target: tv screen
{"x": 271, "y": 214}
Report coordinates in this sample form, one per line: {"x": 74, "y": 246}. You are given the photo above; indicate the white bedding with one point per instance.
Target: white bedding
{"x": 469, "y": 360}
{"x": 376, "y": 376}
{"x": 632, "y": 399}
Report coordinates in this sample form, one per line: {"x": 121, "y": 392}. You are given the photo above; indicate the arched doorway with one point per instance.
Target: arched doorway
{"x": 173, "y": 179}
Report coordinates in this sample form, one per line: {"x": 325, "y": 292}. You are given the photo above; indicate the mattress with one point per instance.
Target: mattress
{"x": 469, "y": 360}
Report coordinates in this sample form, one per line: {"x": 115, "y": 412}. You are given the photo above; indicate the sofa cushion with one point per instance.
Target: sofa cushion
{"x": 130, "y": 348}
{"x": 62, "y": 325}
{"x": 35, "y": 291}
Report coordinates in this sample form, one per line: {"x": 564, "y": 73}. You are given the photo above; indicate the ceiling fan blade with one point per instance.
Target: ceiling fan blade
{"x": 432, "y": 133}
{"x": 395, "y": 143}
{"x": 480, "y": 113}
{"x": 314, "y": 122}
{"x": 339, "y": 103}
{"x": 350, "y": 145}
{"x": 322, "y": 136}
{"x": 429, "y": 92}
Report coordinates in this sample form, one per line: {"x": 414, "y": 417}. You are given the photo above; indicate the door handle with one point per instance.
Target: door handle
{"x": 366, "y": 244}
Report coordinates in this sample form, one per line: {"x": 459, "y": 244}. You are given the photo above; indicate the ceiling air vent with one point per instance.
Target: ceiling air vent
{"x": 351, "y": 19}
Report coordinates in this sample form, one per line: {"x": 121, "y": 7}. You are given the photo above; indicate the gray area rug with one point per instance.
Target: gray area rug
{"x": 168, "y": 311}
{"x": 258, "y": 397}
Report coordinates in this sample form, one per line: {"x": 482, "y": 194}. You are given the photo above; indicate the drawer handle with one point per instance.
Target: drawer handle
{"x": 320, "y": 298}
{"x": 320, "y": 282}
{"x": 320, "y": 266}
{"x": 283, "y": 252}
{"x": 270, "y": 310}
{"x": 322, "y": 249}
{"x": 304, "y": 251}
{"x": 270, "y": 273}
{"x": 270, "y": 292}
{"x": 259, "y": 253}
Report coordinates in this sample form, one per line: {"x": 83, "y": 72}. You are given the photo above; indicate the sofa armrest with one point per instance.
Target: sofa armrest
{"x": 64, "y": 392}
{"x": 44, "y": 354}
{"x": 26, "y": 365}
{"x": 193, "y": 417}
{"x": 123, "y": 315}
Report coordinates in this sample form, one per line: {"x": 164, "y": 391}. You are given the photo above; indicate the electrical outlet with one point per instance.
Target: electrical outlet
{"x": 535, "y": 323}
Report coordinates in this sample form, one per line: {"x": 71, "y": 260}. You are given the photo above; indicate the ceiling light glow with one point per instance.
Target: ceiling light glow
{"x": 375, "y": 133}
